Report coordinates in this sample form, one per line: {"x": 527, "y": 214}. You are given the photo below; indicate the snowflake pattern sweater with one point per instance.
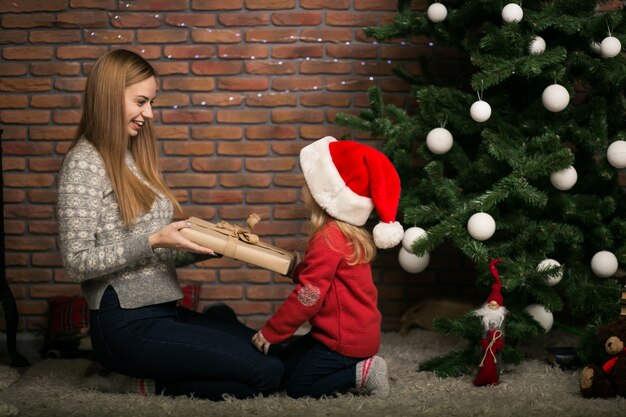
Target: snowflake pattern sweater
{"x": 339, "y": 300}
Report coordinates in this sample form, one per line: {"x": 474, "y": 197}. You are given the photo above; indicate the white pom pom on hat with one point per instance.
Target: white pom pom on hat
{"x": 348, "y": 180}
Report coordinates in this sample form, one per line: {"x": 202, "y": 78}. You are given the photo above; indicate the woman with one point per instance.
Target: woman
{"x": 118, "y": 241}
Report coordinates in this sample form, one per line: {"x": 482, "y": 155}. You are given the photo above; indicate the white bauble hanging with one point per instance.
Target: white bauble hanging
{"x": 555, "y": 97}
{"x": 439, "y": 140}
{"x": 481, "y": 226}
{"x": 537, "y": 46}
{"x": 564, "y": 179}
{"x": 437, "y": 12}
{"x": 595, "y": 47}
{"x": 554, "y": 279}
{"x": 610, "y": 47}
{"x": 512, "y": 13}
{"x": 412, "y": 263}
{"x": 604, "y": 264}
{"x": 480, "y": 111}
{"x": 616, "y": 154}
{"x": 411, "y": 235}
{"x": 541, "y": 315}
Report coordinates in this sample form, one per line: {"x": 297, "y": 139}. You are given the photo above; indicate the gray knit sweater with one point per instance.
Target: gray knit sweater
{"x": 99, "y": 250}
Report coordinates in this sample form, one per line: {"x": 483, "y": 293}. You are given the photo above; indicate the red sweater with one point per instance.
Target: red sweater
{"x": 338, "y": 300}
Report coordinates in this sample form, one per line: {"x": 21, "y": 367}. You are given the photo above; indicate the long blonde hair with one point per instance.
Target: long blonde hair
{"x": 360, "y": 240}
{"x": 103, "y": 124}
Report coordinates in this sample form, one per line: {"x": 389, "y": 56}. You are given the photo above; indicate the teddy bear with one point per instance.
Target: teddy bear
{"x": 608, "y": 380}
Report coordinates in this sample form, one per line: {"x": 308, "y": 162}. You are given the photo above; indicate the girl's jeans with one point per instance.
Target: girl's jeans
{"x": 185, "y": 352}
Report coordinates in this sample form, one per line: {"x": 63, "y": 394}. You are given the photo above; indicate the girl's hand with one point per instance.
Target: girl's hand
{"x": 169, "y": 237}
{"x": 260, "y": 342}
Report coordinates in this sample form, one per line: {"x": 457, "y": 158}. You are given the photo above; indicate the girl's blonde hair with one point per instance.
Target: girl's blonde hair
{"x": 361, "y": 242}
{"x": 103, "y": 124}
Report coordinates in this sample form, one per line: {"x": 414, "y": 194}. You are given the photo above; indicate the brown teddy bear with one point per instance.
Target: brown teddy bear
{"x": 608, "y": 380}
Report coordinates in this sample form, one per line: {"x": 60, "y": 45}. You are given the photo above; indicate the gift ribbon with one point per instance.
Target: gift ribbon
{"x": 242, "y": 233}
{"x": 496, "y": 335}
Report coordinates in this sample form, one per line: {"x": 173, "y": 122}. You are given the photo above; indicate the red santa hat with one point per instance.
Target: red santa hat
{"x": 495, "y": 294}
{"x": 348, "y": 180}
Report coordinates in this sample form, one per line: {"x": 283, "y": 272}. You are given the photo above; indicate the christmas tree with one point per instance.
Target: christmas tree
{"x": 514, "y": 156}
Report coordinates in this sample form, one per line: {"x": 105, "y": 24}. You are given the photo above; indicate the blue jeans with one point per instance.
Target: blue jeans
{"x": 185, "y": 352}
{"x": 313, "y": 370}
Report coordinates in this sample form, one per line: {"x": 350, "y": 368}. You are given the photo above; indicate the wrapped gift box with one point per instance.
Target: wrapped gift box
{"x": 239, "y": 243}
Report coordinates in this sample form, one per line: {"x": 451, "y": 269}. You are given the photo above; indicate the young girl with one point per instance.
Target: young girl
{"x": 345, "y": 180}
{"x": 118, "y": 240}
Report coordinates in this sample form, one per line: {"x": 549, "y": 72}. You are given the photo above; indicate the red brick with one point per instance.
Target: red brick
{"x": 291, "y": 212}
{"x": 44, "y": 165}
{"x": 172, "y": 132}
{"x": 188, "y": 148}
{"x": 272, "y": 35}
{"x": 188, "y": 83}
{"x": 271, "y": 132}
{"x": 325, "y": 4}
{"x": 52, "y": 133}
{"x": 270, "y": 164}
{"x": 14, "y": 227}
{"x": 13, "y": 36}
{"x": 217, "y": 100}
{"x": 190, "y": 180}
{"x": 244, "y": 19}
{"x": 66, "y": 117}
{"x": 16, "y": 259}
{"x": 13, "y": 6}
{"x": 220, "y": 36}
{"x": 403, "y": 52}
{"x": 352, "y": 51}
{"x": 189, "y": 52}
{"x": 55, "y": 68}
{"x": 288, "y": 180}
{"x": 297, "y": 116}
{"x": 49, "y": 291}
{"x": 297, "y": 51}
{"x": 297, "y": 83}
{"x": 171, "y": 68}
{"x": 242, "y": 84}
{"x": 242, "y": 149}
{"x": 29, "y": 308}
{"x": 28, "y": 20}
{"x": 316, "y": 132}
{"x": 328, "y": 67}
{"x": 23, "y": 149}
{"x": 244, "y": 308}
{"x": 12, "y": 69}
{"x": 271, "y": 196}
{"x": 217, "y": 132}
{"x": 44, "y": 228}
{"x": 93, "y": 4}
{"x": 242, "y": 51}
{"x": 216, "y": 164}
{"x": 70, "y": 84}
{"x": 297, "y": 18}
{"x": 27, "y": 53}
{"x": 325, "y": 99}
{"x": 271, "y": 100}
{"x": 241, "y": 213}
{"x": 270, "y": 4}
{"x": 136, "y": 20}
{"x": 25, "y": 116}
{"x": 55, "y": 36}
{"x": 174, "y": 164}
{"x": 374, "y": 68}
{"x": 273, "y": 292}
{"x": 376, "y": 5}
{"x": 150, "y": 5}
{"x": 221, "y": 292}
{"x": 351, "y": 19}
{"x": 270, "y": 68}
{"x": 242, "y": 116}
{"x": 394, "y": 84}
{"x": 13, "y": 164}
{"x": 349, "y": 84}
{"x": 216, "y": 197}
{"x": 326, "y": 35}
{"x": 28, "y": 275}
{"x": 162, "y": 36}
{"x": 97, "y": 36}
{"x": 186, "y": 116}
{"x": 193, "y": 20}
{"x": 171, "y": 100}
{"x": 28, "y": 180}
{"x": 12, "y": 101}
{"x": 29, "y": 243}
{"x": 146, "y": 51}
{"x": 245, "y": 276}
{"x": 216, "y": 68}
{"x": 196, "y": 275}
{"x": 245, "y": 180}
{"x": 82, "y": 19}
{"x": 216, "y": 5}
{"x": 79, "y": 52}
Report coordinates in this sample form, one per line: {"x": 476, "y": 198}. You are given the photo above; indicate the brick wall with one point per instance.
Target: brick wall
{"x": 244, "y": 85}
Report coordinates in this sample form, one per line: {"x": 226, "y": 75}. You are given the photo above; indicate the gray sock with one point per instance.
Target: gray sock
{"x": 112, "y": 382}
{"x": 372, "y": 376}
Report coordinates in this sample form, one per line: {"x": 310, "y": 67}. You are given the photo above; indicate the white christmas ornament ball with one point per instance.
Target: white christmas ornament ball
{"x": 537, "y": 46}
{"x": 481, "y": 226}
{"x": 480, "y": 111}
{"x": 616, "y": 154}
{"x": 564, "y": 179}
{"x": 412, "y": 263}
{"x": 541, "y": 315}
{"x": 411, "y": 235}
{"x": 555, "y": 97}
{"x": 437, "y": 12}
{"x": 554, "y": 279}
{"x": 610, "y": 47}
{"x": 604, "y": 264}
{"x": 512, "y": 13}
{"x": 439, "y": 140}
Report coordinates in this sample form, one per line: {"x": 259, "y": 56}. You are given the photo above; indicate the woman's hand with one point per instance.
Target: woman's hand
{"x": 169, "y": 237}
{"x": 261, "y": 342}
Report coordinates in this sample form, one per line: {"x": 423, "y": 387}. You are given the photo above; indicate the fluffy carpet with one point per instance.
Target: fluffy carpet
{"x": 52, "y": 387}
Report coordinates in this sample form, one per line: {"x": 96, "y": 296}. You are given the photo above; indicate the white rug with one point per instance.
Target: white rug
{"x": 52, "y": 388}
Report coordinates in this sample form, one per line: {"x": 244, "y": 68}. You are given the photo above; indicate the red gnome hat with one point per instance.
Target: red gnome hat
{"x": 495, "y": 295}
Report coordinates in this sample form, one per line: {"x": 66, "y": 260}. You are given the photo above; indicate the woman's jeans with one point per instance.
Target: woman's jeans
{"x": 185, "y": 352}
{"x": 313, "y": 370}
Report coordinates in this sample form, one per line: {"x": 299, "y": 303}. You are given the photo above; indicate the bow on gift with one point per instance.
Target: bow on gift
{"x": 242, "y": 233}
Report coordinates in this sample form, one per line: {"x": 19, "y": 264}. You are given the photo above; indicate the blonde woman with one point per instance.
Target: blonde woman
{"x": 118, "y": 240}
{"x": 344, "y": 182}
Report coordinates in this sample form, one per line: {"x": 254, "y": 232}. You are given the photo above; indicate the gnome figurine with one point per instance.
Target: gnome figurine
{"x": 492, "y": 315}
